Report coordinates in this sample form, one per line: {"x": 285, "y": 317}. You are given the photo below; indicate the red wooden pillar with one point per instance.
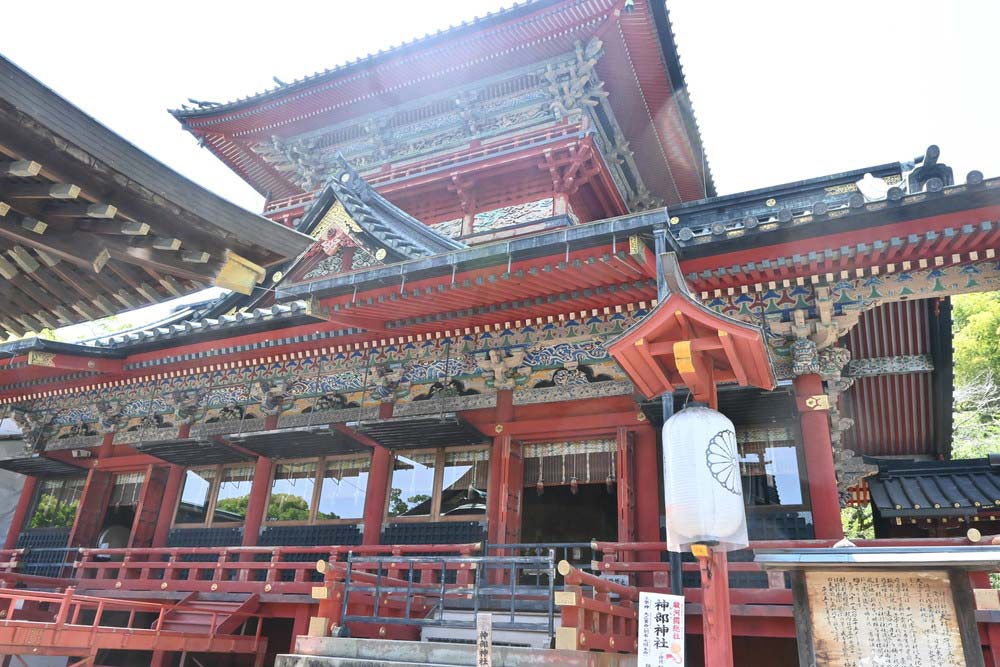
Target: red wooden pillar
{"x": 257, "y": 504}
{"x": 503, "y": 500}
{"x": 647, "y": 491}
{"x": 626, "y": 473}
{"x": 376, "y": 493}
{"x": 93, "y": 507}
{"x": 171, "y": 494}
{"x": 151, "y": 506}
{"x": 21, "y": 511}
{"x": 818, "y": 449}
{"x": 715, "y": 620}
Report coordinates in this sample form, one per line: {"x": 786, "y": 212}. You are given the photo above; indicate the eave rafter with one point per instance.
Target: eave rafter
{"x": 68, "y": 256}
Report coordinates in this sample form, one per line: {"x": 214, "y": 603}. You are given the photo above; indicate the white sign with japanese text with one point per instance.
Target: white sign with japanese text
{"x": 661, "y": 630}
{"x": 484, "y": 639}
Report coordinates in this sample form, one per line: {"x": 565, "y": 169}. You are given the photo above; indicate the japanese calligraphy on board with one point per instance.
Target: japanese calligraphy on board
{"x": 661, "y": 630}
{"x": 885, "y": 618}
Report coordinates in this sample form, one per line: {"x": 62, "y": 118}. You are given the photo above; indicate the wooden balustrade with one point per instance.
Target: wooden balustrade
{"x": 594, "y": 621}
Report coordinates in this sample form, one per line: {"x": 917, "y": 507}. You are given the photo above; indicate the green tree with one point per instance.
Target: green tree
{"x": 287, "y": 507}
{"x": 49, "y": 513}
{"x": 236, "y": 506}
{"x": 399, "y": 507}
{"x": 976, "y": 330}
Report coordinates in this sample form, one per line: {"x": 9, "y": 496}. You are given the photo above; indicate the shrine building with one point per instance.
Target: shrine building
{"x": 412, "y": 358}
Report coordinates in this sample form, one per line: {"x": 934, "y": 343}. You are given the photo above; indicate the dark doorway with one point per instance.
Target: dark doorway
{"x": 559, "y": 515}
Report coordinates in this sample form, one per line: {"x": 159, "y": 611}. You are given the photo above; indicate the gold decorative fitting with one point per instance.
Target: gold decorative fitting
{"x": 267, "y": 588}
{"x": 380, "y": 254}
{"x": 771, "y": 202}
{"x": 214, "y": 587}
{"x": 674, "y": 220}
{"x": 91, "y": 364}
{"x": 118, "y": 584}
{"x": 276, "y": 278}
{"x": 699, "y": 550}
{"x": 163, "y": 586}
{"x": 818, "y": 402}
{"x": 498, "y": 428}
{"x": 583, "y": 639}
{"x": 239, "y": 274}
{"x": 641, "y": 416}
{"x": 381, "y": 631}
{"x": 41, "y": 358}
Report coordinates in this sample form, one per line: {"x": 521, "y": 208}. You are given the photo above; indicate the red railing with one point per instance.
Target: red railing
{"x": 275, "y": 570}
{"x": 596, "y": 621}
{"x": 38, "y": 623}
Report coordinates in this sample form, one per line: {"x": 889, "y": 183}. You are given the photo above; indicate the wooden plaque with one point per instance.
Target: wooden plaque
{"x": 885, "y": 618}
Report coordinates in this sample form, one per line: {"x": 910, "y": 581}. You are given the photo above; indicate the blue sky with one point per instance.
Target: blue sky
{"x": 782, "y": 90}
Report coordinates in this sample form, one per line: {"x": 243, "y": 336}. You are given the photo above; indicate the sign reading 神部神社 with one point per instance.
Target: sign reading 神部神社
{"x": 661, "y": 630}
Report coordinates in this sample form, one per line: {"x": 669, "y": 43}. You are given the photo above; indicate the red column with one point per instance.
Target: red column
{"x": 93, "y": 507}
{"x": 171, "y": 493}
{"x": 257, "y": 505}
{"x": 716, "y": 623}
{"x": 499, "y": 491}
{"x": 818, "y": 449}
{"x": 21, "y": 512}
{"x": 647, "y": 488}
{"x": 376, "y": 494}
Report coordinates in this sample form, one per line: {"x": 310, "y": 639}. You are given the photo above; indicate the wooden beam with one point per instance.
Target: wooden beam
{"x": 195, "y": 256}
{"x": 20, "y": 168}
{"x": 7, "y": 270}
{"x": 34, "y": 225}
{"x": 81, "y": 210}
{"x": 40, "y": 191}
{"x": 128, "y": 227}
{"x": 72, "y": 362}
{"x": 4, "y": 208}
{"x": 734, "y": 359}
{"x": 24, "y": 259}
{"x": 77, "y": 249}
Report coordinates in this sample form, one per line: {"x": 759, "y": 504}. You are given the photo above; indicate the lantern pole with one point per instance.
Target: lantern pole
{"x": 716, "y": 621}
{"x": 667, "y": 401}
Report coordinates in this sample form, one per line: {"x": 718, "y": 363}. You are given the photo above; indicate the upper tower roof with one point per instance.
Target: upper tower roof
{"x": 638, "y": 66}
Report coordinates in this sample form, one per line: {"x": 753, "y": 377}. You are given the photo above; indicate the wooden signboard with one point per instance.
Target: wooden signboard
{"x": 885, "y": 618}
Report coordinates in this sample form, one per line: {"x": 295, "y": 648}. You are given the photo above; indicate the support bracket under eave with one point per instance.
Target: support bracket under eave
{"x": 682, "y": 342}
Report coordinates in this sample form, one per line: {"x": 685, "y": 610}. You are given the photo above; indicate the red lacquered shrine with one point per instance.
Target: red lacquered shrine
{"x": 411, "y": 382}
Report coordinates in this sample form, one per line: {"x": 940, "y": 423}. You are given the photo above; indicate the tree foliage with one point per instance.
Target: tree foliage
{"x": 50, "y": 513}
{"x": 287, "y": 507}
{"x": 976, "y": 329}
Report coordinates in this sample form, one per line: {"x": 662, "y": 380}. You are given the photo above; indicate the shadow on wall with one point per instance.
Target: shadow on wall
{"x": 11, "y": 446}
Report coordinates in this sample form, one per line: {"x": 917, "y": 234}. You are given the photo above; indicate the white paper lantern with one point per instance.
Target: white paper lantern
{"x": 701, "y": 481}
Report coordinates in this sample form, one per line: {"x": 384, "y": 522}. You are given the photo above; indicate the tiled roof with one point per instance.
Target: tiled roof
{"x": 476, "y": 23}
{"x": 274, "y": 314}
{"x": 928, "y": 489}
{"x": 402, "y": 235}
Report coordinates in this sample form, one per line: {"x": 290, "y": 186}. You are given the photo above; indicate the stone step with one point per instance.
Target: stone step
{"x": 340, "y": 652}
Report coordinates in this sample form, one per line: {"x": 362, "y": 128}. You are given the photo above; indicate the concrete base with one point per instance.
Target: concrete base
{"x": 338, "y": 652}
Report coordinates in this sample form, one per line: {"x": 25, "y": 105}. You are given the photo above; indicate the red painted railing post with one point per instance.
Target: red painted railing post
{"x": 716, "y": 622}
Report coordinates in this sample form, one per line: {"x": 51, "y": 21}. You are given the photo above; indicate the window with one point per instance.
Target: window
{"x": 234, "y": 494}
{"x": 127, "y": 489}
{"x": 319, "y": 490}
{"x": 57, "y": 502}
{"x": 439, "y": 484}
{"x": 770, "y": 467}
{"x": 219, "y": 492}
{"x": 193, "y": 506}
{"x": 342, "y": 494}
